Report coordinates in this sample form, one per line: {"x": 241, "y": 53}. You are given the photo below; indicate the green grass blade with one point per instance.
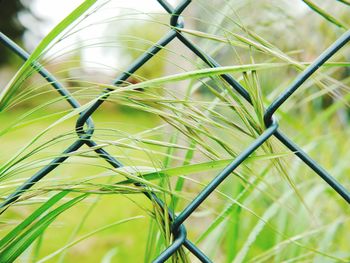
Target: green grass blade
{"x": 22, "y": 74}
{"x": 30, "y": 219}
{"x": 82, "y": 238}
{"x": 15, "y": 248}
{"x": 198, "y": 168}
{"x": 324, "y": 14}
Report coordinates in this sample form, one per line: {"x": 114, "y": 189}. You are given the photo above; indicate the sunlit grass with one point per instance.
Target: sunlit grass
{"x": 174, "y": 134}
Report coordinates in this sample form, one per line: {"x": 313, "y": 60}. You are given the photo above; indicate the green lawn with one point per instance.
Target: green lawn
{"x": 123, "y": 241}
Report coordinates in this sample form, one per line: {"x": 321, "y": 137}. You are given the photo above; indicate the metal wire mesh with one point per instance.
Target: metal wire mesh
{"x": 178, "y": 228}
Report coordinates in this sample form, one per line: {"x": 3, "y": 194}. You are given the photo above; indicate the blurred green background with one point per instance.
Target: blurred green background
{"x": 99, "y": 54}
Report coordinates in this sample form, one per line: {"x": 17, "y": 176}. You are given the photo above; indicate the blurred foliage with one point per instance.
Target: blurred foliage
{"x": 260, "y": 214}
{"x": 10, "y": 24}
{"x": 136, "y": 38}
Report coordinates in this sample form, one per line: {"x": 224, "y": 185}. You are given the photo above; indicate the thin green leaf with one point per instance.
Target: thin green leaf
{"x": 198, "y": 168}
{"x": 324, "y": 14}
{"x": 7, "y": 94}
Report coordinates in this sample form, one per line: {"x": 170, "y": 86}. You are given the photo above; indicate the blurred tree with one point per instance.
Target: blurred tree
{"x": 10, "y": 24}
{"x": 136, "y": 38}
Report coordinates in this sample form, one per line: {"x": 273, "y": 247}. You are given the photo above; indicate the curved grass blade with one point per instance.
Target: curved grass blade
{"x": 324, "y": 14}
{"x": 27, "y": 68}
{"x": 30, "y": 219}
{"x": 82, "y": 238}
{"x": 14, "y": 249}
{"x": 197, "y": 168}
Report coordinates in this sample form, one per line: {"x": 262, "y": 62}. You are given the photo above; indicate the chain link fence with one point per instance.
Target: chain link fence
{"x": 272, "y": 129}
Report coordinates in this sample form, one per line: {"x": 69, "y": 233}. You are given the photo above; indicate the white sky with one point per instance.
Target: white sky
{"x": 53, "y": 11}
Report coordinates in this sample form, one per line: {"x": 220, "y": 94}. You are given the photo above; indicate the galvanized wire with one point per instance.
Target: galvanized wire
{"x": 177, "y": 227}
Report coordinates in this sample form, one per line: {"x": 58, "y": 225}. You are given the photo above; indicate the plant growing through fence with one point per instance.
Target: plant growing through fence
{"x": 223, "y": 126}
